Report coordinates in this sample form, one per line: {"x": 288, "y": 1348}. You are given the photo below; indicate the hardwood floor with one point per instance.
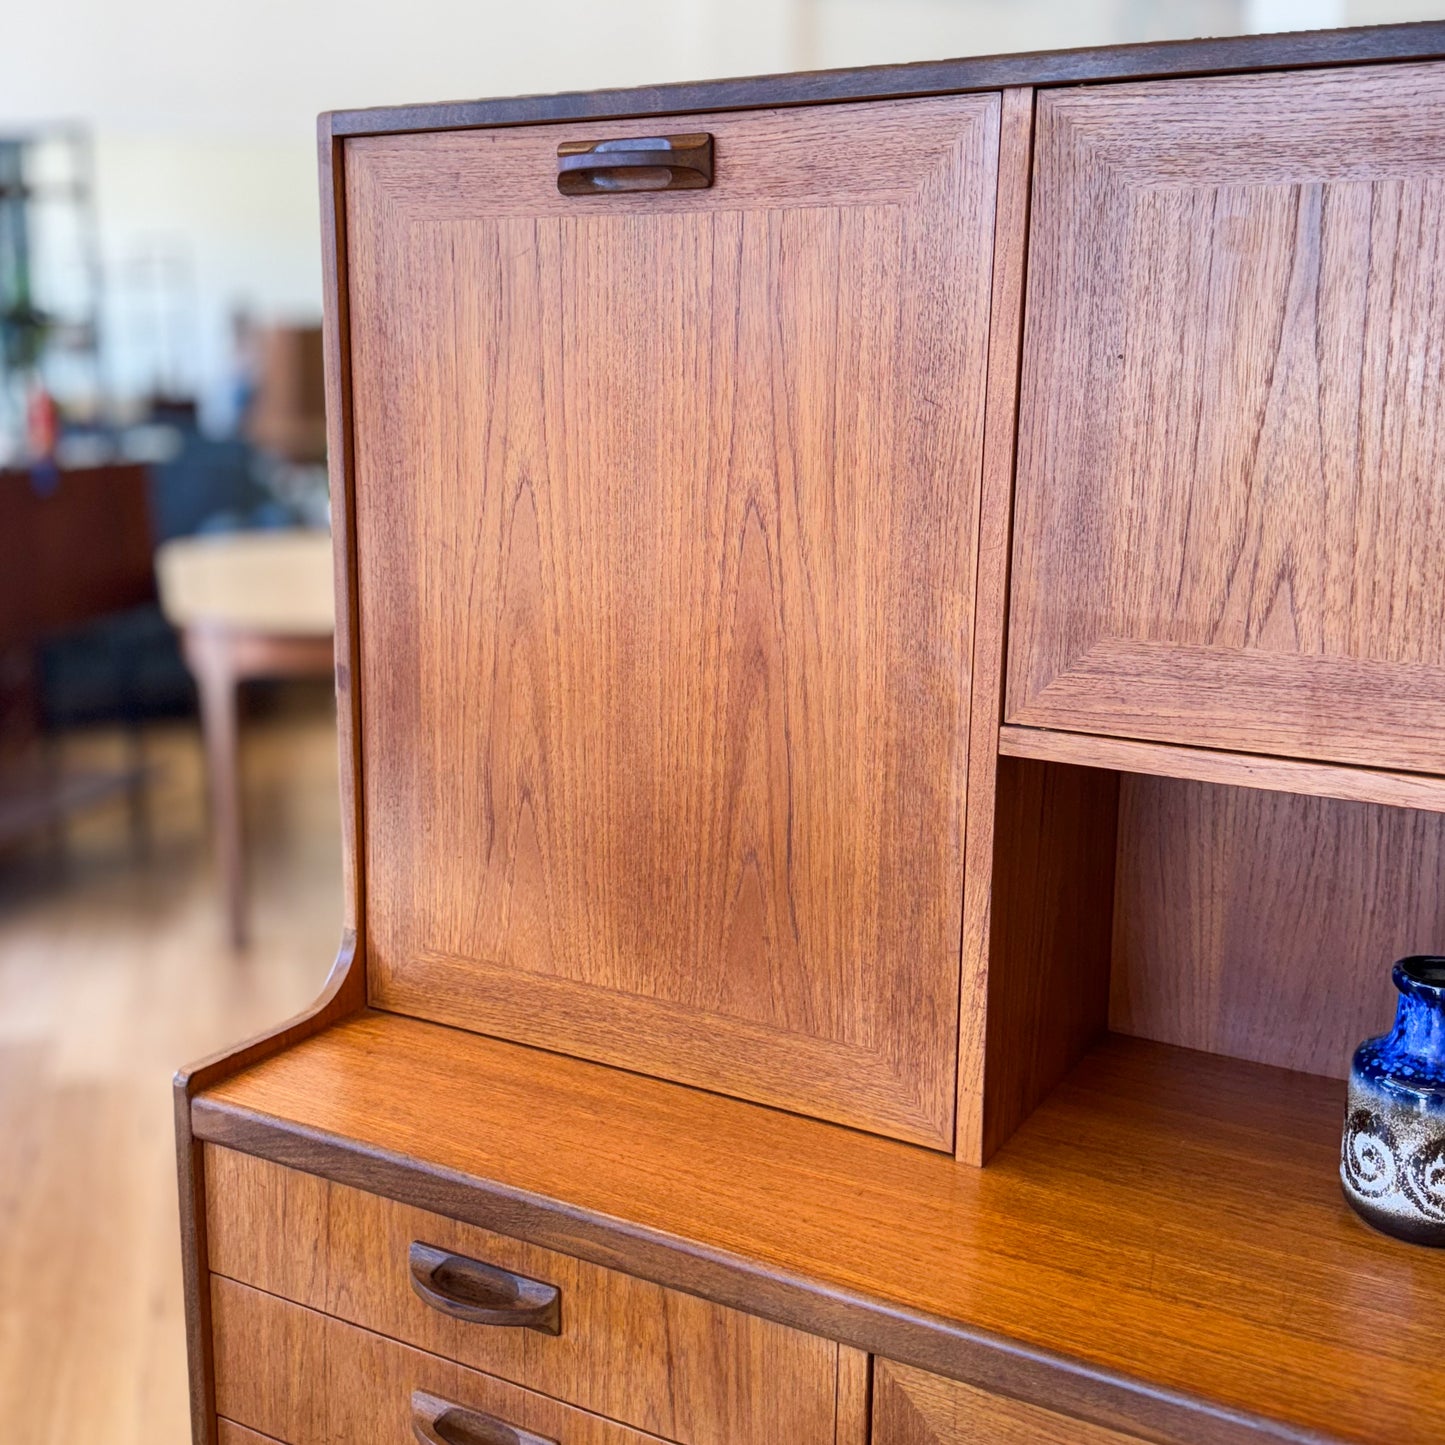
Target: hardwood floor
{"x": 113, "y": 970}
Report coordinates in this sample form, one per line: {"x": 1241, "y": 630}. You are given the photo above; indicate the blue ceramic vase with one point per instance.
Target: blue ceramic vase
{"x": 1392, "y": 1162}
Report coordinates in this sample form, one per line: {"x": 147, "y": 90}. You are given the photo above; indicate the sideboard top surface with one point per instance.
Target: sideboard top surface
{"x": 1166, "y": 1215}
{"x": 1420, "y": 40}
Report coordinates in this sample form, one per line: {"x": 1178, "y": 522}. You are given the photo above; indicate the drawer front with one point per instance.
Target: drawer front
{"x": 912, "y": 1407}
{"x": 1232, "y": 431}
{"x": 230, "y": 1433}
{"x": 666, "y": 507}
{"x": 308, "y": 1379}
{"x": 666, "y": 1362}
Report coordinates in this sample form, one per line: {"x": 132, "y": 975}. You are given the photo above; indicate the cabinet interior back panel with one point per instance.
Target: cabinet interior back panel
{"x": 666, "y": 523}
{"x": 1263, "y": 925}
{"x": 1231, "y": 492}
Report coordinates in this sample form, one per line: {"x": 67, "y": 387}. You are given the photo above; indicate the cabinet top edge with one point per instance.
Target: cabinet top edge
{"x": 1153, "y": 60}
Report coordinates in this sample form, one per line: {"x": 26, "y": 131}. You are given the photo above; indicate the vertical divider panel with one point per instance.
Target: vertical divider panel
{"x": 1005, "y": 346}
{"x": 1050, "y": 932}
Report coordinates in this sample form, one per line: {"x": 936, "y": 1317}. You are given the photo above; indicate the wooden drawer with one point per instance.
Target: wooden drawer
{"x": 666, "y": 1362}
{"x": 308, "y": 1379}
{"x": 230, "y": 1433}
{"x": 912, "y": 1407}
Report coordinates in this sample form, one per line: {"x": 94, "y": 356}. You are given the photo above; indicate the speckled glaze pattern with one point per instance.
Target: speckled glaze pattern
{"x": 1392, "y": 1160}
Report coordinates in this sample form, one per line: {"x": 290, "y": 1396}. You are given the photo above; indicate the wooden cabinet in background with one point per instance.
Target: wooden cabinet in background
{"x": 666, "y": 518}
{"x": 1230, "y": 514}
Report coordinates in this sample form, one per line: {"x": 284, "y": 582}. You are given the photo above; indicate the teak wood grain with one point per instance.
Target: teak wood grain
{"x": 665, "y": 1362}
{"x": 912, "y": 1407}
{"x": 1262, "y": 925}
{"x": 991, "y": 610}
{"x": 1244, "y": 770}
{"x": 667, "y": 510}
{"x": 307, "y": 1379}
{"x": 1229, "y": 517}
{"x": 1135, "y": 1255}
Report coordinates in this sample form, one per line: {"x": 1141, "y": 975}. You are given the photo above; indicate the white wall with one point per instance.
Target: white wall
{"x": 204, "y": 110}
{"x": 205, "y": 114}
{"x": 860, "y": 32}
{"x": 230, "y": 221}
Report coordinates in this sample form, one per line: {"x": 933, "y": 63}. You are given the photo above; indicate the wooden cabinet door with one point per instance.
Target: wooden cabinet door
{"x": 666, "y": 521}
{"x": 912, "y": 1407}
{"x": 1230, "y": 524}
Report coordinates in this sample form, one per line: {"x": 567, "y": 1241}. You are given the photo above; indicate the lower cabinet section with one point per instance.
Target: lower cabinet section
{"x": 303, "y": 1378}
{"x": 912, "y": 1407}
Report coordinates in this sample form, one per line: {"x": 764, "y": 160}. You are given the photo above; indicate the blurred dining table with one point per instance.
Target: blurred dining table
{"x": 247, "y": 605}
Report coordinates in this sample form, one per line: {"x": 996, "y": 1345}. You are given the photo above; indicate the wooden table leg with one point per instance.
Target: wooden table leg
{"x": 209, "y": 654}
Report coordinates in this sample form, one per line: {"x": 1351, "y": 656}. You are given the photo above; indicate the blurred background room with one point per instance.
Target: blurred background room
{"x": 169, "y": 835}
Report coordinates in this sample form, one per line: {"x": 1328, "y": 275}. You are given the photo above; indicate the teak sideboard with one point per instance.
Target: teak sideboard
{"x": 891, "y": 664}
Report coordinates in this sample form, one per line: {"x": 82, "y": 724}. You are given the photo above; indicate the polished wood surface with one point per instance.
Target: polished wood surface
{"x": 1233, "y": 417}
{"x": 668, "y": 1363}
{"x": 1212, "y": 55}
{"x": 1209, "y": 765}
{"x": 1164, "y": 1215}
{"x": 1263, "y": 925}
{"x": 912, "y": 1407}
{"x": 991, "y": 609}
{"x": 665, "y": 639}
{"x": 308, "y": 1379}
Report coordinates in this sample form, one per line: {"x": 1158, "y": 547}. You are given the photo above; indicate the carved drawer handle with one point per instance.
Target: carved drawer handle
{"x": 439, "y": 1422}
{"x": 467, "y": 1289}
{"x": 642, "y": 163}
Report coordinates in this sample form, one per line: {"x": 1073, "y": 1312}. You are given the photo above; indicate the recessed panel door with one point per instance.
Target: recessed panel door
{"x": 666, "y": 521}
{"x": 1230, "y": 524}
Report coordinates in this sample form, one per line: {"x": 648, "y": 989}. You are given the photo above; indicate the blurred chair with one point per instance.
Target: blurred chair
{"x": 247, "y": 605}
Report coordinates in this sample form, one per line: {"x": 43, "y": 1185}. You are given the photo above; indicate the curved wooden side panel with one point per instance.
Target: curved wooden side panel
{"x": 343, "y": 995}
{"x": 344, "y": 992}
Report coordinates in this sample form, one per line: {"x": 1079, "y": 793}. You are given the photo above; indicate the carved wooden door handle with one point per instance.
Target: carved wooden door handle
{"x": 642, "y": 163}
{"x": 435, "y": 1421}
{"x": 467, "y": 1289}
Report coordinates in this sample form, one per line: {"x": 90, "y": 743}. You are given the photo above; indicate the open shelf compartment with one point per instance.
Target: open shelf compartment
{"x": 1255, "y": 923}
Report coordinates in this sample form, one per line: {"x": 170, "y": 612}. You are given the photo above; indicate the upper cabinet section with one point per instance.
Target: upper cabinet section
{"x": 666, "y": 519}
{"x": 1230, "y": 524}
